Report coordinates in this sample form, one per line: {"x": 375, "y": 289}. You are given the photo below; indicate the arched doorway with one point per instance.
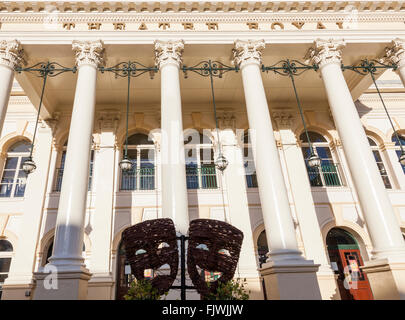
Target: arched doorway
{"x": 262, "y": 250}
{"x": 123, "y": 274}
{"x": 345, "y": 259}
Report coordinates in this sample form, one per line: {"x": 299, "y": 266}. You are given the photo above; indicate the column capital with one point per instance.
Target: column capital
{"x": 168, "y": 52}
{"x": 11, "y": 53}
{"x": 395, "y": 52}
{"x": 247, "y": 52}
{"x": 325, "y": 51}
{"x": 89, "y": 52}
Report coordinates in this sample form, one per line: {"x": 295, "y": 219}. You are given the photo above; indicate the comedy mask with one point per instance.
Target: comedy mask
{"x": 149, "y": 246}
{"x": 213, "y": 253}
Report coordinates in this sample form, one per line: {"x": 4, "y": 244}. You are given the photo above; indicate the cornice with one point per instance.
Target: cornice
{"x": 198, "y": 17}
{"x": 199, "y": 6}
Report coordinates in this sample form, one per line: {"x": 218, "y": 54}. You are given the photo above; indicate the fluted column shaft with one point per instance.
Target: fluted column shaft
{"x": 277, "y": 216}
{"x": 67, "y": 252}
{"x": 174, "y": 188}
{"x": 377, "y": 209}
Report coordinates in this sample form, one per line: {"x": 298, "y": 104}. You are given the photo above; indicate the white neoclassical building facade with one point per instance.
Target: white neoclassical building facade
{"x": 330, "y": 231}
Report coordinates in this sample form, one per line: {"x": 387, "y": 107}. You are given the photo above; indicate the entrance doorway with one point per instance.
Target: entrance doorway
{"x": 345, "y": 259}
{"x": 123, "y": 274}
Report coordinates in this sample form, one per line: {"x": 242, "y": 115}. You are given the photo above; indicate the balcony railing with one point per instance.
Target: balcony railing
{"x": 204, "y": 177}
{"x": 326, "y": 176}
{"x": 57, "y": 186}
{"x": 138, "y": 179}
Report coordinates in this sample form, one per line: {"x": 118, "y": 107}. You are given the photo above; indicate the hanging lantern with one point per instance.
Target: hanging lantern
{"x": 29, "y": 166}
{"x": 402, "y": 158}
{"x": 221, "y": 163}
{"x": 314, "y": 161}
{"x": 126, "y": 165}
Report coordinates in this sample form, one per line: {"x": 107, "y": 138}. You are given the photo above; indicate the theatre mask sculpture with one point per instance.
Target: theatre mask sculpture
{"x": 213, "y": 253}
{"x": 151, "y": 250}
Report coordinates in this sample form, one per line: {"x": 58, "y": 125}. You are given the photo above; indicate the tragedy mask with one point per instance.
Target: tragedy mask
{"x": 213, "y": 253}
{"x": 151, "y": 250}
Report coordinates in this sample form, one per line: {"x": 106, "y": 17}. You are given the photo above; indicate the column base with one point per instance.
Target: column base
{"x": 100, "y": 287}
{"x": 386, "y": 278}
{"x": 291, "y": 280}
{"x": 63, "y": 285}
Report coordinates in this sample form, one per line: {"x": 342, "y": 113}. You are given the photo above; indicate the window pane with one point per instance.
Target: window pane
{"x": 192, "y": 176}
{"x": 8, "y": 176}
{"x": 208, "y": 176}
{"x": 21, "y": 146}
{"x": 132, "y": 154}
{"x": 148, "y": 155}
{"x": 377, "y": 156}
{"x": 5, "y": 246}
{"x": 138, "y": 139}
{"x": 5, "y": 190}
{"x": 5, "y": 264}
{"x": 324, "y": 153}
{"x": 313, "y": 136}
{"x": 11, "y": 163}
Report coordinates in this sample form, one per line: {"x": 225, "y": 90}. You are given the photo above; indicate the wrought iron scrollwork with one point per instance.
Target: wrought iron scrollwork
{"x": 209, "y": 68}
{"x": 130, "y": 68}
{"x": 46, "y": 69}
{"x": 289, "y": 68}
{"x": 372, "y": 67}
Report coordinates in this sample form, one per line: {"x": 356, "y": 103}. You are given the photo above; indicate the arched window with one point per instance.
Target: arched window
{"x": 14, "y": 178}
{"x": 6, "y": 253}
{"x": 200, "y": 167}
{"x": 59, "y": 171}
{"x": 380, "y": 163}
{"x": 248, "y": 162}
{"x": 397, "y": 147}
{"x": 328, "y": 173}
{"x": 141, "y": 152}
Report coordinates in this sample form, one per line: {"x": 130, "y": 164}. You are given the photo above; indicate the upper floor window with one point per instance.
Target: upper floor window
{"x": 397, "y": 147}
{"x": 59, "y": 171}
{"x": 380, "y": 163}
{"x": 141, "y": 152}
{"x": 248, "y": 162}
{"x": 328, "y": 173}
{"x": 14, "y": 178}
{"x": 200, "y": 167}
{"x": 6, "y": 253}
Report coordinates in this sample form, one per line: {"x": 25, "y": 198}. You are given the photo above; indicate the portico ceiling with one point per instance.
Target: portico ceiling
{"x": 195, "y": 91}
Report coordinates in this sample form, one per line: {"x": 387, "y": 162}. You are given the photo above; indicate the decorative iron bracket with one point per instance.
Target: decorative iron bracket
{"x": 209, "y": 68}
{"x": 46, "y": 69}
{"x": 289, "y": 68}
{"x": 130, "y": 68}
{"x": 369, "y": 67}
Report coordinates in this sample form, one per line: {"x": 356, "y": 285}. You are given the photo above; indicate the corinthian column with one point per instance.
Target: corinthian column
{"x": 395, "y": 54}
{"x": 67, "y": 257}
{"x": 174, "y": 188}
{"x": 10, "y": 56}
{"x": 285, "y": 259}
{"x": 383, "y": 227}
